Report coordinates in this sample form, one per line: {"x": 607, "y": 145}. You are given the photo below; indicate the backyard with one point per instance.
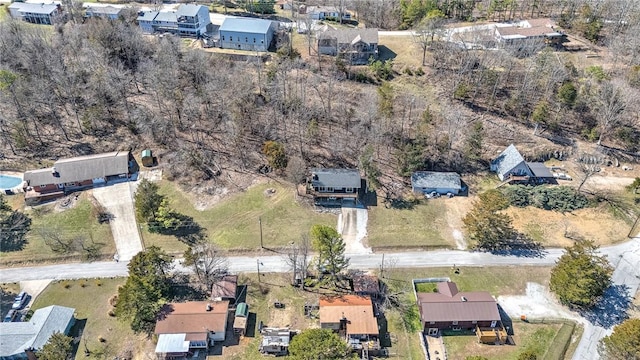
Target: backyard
{"x": 233, "y": 223}
{"x": 91, "y": 299}
{"x": 77, "y": 221}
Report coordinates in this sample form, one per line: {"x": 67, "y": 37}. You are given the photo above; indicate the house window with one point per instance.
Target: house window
{"x": 42, "y": 186}
{"x": 349, "y": 190}
{"x": 454, "y": 323}
{"x": 322, "y": 189}
{"x": 330, "y": 189}
{"x": 474, "y": 322}
{"x": 262, "y": 41}
{"x": 246, "y": 39}
{"x": 254, "y": 40}
{"x": 222, "y": 37}
{"x": 432, "y": 323}
{"x": 230, "y": 38}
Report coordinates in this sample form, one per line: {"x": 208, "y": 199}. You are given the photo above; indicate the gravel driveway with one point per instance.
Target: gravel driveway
{"x": 118, "y": 201}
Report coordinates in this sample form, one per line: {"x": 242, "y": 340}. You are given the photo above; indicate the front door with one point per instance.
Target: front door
{"x": 493, "y": 323}
{"x": 432, "y": 332}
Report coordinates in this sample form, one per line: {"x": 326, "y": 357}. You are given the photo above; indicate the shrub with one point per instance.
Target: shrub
{"x": 66, "y": 285}
{"x": 559, "y": 198}
{"x": 98, "y": 283}
{"x": 419, "y": 71}
{"x": 407, "y": 71}
{"x": 461, "y": 92}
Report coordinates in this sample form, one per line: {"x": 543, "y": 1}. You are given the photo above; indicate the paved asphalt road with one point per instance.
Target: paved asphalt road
{"x": 624, "y": 257}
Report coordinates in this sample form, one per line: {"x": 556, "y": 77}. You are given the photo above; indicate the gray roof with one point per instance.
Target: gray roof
{"x": 15, "y": 337}
{"x": 246, "y": 25}
{"x": 435, "y": 180}
{"x": 81, "y": 168}
{"x": 148, "y": 16}
{"x": 539, "y": 170}
{"x": 275, "y": 337}
{"x": 34, "y": 8}
{"x": 335, "y": 178}
{"x": 104, "y": 10}
{"x": 189, "y": 9}
{"x": 167, "y": 16}
{"x": 351, "y": 36}
{"x": 172, "y": 343}
{"x": 507, "y": 160}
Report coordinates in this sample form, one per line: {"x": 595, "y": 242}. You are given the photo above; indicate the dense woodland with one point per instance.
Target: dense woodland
{"x": 93, "y": 86}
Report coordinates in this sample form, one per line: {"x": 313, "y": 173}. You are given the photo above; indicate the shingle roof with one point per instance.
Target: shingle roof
{"x": 246, "y": 25}
{"x": 335, "y": 178}
{"x": 189, "y": 9}
{"x": 148, "y": 16}
{"x": 450, "y": 305}
{"x": 435, "y": 180}
{"x": 366, "y": 284}
{"x": 358, "y": 310}
{"x": 225, "y": 288}
{"x": 539, "y": 170}
{"x": 192, "y": 317}
{"x": 350, "y": 36}
{"x": 81, "y": 168}
{"x": 15, "y": 337}
{"x": 507, "y": 160}
{"x": 167, "y": 16}
{"x": 104, "y": 10}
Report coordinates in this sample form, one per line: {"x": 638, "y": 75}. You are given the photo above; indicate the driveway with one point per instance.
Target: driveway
{"x": 352, "y": 224}
{"x": 118, "y": 201}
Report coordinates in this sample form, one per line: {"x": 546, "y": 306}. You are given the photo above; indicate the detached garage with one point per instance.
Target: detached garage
{"x": 427, "y": 182}
{"x": 246, "y": 33}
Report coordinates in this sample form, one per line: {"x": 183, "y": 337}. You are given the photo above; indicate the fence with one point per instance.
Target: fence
{"x": 558, "y": 347}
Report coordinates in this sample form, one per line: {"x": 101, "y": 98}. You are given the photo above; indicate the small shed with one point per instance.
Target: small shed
{"x": 147, "y": 158}
{"x": 240, "y": 321}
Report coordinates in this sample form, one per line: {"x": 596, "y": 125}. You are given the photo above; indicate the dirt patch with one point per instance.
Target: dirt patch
{"x": 550, "y": 227}
{"x": 609, "y": 183}
{"x": 204, "y": 196}
{"x": 538, "y": 303}
{"x": 457, "y": 208}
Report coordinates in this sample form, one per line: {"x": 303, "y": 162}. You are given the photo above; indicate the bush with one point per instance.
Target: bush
{"x": 66, "y": 285}
{"x": 407, "y": 71}
{"x": 559, "y": 198}
{"x": 419, "y": 72}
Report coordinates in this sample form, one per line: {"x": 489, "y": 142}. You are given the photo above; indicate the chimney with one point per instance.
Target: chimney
{"x": 464, "y": 299}
{"x": 209, "y": 307}
{"x": 54, "y": 172}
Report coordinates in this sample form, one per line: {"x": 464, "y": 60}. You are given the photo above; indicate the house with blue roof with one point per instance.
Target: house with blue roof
{"x": 247, "y": 33}
{"x": 21, "y": 340}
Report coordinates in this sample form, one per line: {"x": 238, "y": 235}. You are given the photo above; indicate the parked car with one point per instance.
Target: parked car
{"x": 10, "y": 316}
{"x": 20, "y": 301}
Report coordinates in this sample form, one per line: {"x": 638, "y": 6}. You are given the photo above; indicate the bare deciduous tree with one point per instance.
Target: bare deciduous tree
{"x": 208, "y": 263}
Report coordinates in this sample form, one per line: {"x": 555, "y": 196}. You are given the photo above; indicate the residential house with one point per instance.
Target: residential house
{"x": 20, "y": 340}
{"x": 247, "y": 33}
{"x": 111, "y": 12}
{"x": 71, "y": 174}
{"x": 225, "y": 289}
{"x": 334, "y": 186}
{"x": 44, "y": 13}
{"x": 450, "y": 309}
{"x": 275, "y": 341}
{"x": 366, "y": 285}
{"x": 187, "y": 20}
{"x": 326, "y": 13}
{"x": 184, "y": 328}
{"x": 352, "y": 317}
{"x": 511, "y": 167}
{"x": 537, "y": 31}
{"x": 427, "y": 182}
{"x": 357, "y": 46}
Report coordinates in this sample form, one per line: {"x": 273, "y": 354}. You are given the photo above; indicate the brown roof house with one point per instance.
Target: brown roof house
{"x": 356, "y": 46}
{"x": 450, "y": 309}
{"x": 352, "y": 317}
{"x": 225, "y": 289}
{"x": 184, "y": 328}
{"x": 366, "y": 285}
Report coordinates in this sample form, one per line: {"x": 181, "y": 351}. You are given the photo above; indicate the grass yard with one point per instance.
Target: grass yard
{"x": 420, "y": 226}
{"x": 402, "y": 49}
{"x": 92, "y": 305}
{"x": 233, "y": 223}
{"x": 536, "y": 337}
{"x": 77, "y": 221}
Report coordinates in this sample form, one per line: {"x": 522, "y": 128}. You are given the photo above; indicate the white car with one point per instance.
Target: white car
{"x": 562, "y": 176}
{"x": 20, "y": 301}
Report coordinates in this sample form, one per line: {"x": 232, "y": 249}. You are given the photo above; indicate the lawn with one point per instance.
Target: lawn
{"x": 92, "y": 306}
{"x": 419, "y": 226}
{"x": 536, "y": 337}
{"x": 233, "y": 223}
{"x": 78, "y": 221}
{"x": 402, "y": 49}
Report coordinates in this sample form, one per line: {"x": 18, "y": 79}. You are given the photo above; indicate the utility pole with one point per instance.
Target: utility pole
{"x": 382, "y": 267}
{"x": 258, "y": 265}
{"x": 260, "y": 222}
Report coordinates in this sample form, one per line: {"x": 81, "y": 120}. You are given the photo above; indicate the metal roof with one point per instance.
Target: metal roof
{"x": 15, "y": 337}
{"x": 435, "y": 180}
{"x": 242, "y": 310}
{"x": 172, "y": 343}
{"x": 246, "y": 25}
{"x": 336, "y": 178}
{"x": 80, "y": 168}
{"x": 275, "y": 337}
{"x": 450, "y": 305}
{"x": 189, "y": 9}
{"x": 34, "y": 8}
{"x": 167, "y": 16}
{"x": 104, "y": 10}
{"x": 539, "y": 170}
{"x": 148, "y": 16}
{"x": 507, "y": 160}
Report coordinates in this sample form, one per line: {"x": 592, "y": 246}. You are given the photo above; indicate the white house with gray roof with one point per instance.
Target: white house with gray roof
{"x": 243, "y": 33}
{"x": 18, "y": 339}
{"x": 334, "y": 186}
{"x": 354, "y": 45}
{"x": 188, "y": 20}
{"x": 428, "y": 182}
{"x": 510, "y": 165}
{"x": 110, "y": 12}
{"x": 44, "y": 13}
